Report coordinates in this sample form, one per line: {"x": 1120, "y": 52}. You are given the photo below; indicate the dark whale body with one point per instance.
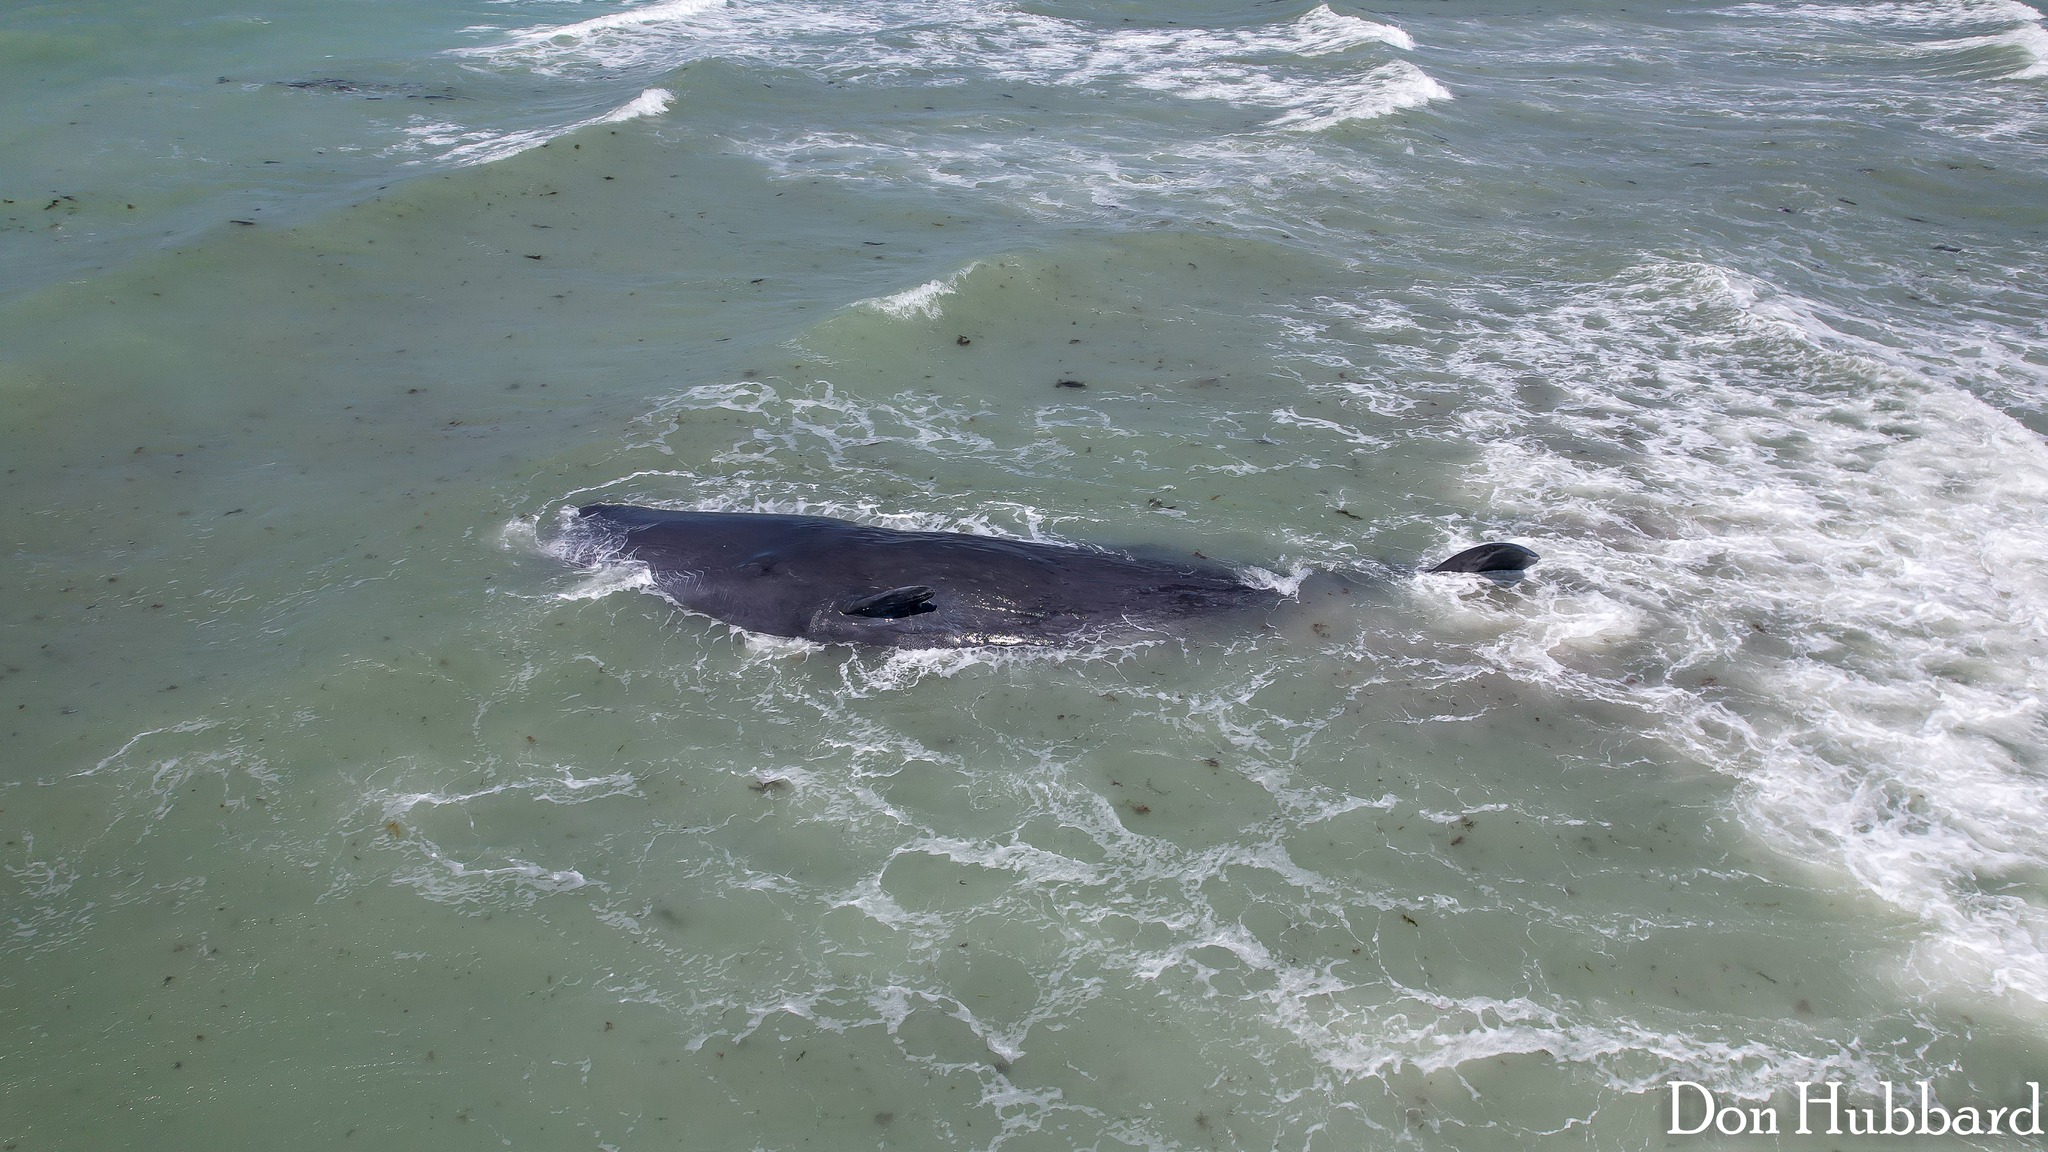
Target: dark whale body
{"x": 836, "y": 582}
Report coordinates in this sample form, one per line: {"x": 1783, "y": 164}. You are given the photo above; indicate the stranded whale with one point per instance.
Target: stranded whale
{"x": 836, "y": 582}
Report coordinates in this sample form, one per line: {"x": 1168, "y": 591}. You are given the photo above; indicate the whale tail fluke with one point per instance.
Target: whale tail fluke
{"x": 1487, "y": 559}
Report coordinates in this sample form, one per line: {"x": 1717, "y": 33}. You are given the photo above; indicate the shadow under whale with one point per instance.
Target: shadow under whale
{"x": 836, "y": 582}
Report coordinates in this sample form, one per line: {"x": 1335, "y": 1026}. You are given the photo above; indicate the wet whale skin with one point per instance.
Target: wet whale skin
{"x": 836, "y": 582}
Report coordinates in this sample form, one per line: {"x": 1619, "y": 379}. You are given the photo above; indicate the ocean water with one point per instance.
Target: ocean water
{"x": 338, "y": 811}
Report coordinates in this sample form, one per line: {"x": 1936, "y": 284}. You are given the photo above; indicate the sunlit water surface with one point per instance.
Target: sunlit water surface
{"x": 339, "y": 812}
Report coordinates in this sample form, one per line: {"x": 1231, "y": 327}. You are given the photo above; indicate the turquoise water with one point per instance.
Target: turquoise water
{"x": 337, "y": 809}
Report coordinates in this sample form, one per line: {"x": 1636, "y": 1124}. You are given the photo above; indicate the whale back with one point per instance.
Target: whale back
{"x": 834, "y": 581}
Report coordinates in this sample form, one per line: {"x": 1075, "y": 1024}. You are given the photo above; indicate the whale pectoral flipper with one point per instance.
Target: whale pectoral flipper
{"x": 894, "y": 604}
{"x": 1489, "y": 558}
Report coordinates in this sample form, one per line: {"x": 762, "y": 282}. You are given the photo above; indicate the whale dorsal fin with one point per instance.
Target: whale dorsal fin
{"x": 1489, "y": 558}
{"x": 894, "y": 604}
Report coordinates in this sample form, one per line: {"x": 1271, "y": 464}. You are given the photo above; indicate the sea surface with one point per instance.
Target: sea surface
{"x": 338, "y": 811}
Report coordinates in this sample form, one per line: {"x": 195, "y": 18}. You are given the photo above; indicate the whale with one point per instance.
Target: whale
{"x": 832, "y": 581}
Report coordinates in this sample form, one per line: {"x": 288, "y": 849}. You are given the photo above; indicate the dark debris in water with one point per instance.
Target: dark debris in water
{"x": 368, "y": 90}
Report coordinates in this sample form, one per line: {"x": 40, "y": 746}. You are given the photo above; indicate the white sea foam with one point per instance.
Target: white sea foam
{"x": 662, "y": 13}
{"x": 1285, "y": 68}
{"x": 2028, "y": 40}
{"x": 454, "y": 144}
{"x": 42, "y": 915}
{"x": 441, "y": 875}
{"x": 564, "y": 787}
{"x": 819, "y": 422}
{"x": 923, "y": 300}
{"x": 1244, "y": 68}
{"x": 1321, "y": 30}
{"x": 657, "y": 38}
{"x": 775, "y": 647}
{"x": 1033, "y": 865}
{"x": 519, "y": 534}
{"x": 1940, "y": 14}
{"x": 1246, "y": 179}
{"x": 447, "y": 880}
{"x": 1381, "y": 92}
{"x": 608, "y": 579}
{"x": 652, "y": 102}
{"x": 2000, "y": 24}
{"x": 1415, "y": 1028}
{"x": 1286, "y": 583}
{"x": 1851, "y": 560}
{"x": 901, "y": 36}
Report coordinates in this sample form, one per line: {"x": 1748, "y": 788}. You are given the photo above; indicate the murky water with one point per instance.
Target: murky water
{"x": 338, "y": 809}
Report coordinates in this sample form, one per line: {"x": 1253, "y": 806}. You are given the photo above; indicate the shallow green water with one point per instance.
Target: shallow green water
{"x": 338, "y": 810}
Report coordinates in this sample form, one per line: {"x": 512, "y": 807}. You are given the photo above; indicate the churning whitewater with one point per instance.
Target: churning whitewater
{"x": 1171, "y": 341}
